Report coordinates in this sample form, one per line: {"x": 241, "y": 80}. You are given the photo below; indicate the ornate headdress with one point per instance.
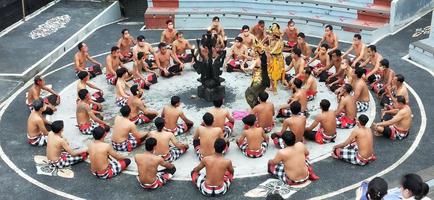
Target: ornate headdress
{"x": 258, "y": 46}
{"x": 274, "y": 30}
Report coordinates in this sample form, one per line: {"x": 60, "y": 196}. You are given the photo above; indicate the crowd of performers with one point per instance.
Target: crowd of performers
{"x": 258, "y": 51}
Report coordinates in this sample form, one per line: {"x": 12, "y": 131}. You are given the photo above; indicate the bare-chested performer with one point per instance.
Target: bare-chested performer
{"x": 264, "y": 112}
{"x": 138, "y": 78}
{"x": 237, "y": 57}
{"x": 59, "y": 153}
{"x": 398, "y": 89}
{"x": 347, "y": 109}
{"x": 121, "y": 86}
{"x": 361, "y": 91}
{"x": 248, "y": 38}
{"x": 147, "y": 165}
{"x": 298, "y": 63}
{"x": 34, "y": 92}
{"x": 125, "y": 43}
{"x": 220, "y": 115}
{"x": 296, "y": 124}
{"x": 398, "y": 127}
{"x": 358, "y": 148}
{"x": 113, "y": 62}
{"x": 96, "y": 97}
{"x": 385, "y": 81}
{"x": 324, "y": 60}
{"x": 304, "y": 46}
{"x": 219, "y": 172}
{"x": 206, "y": 135}
{"x": 80, "y": 59}
{"x": 125, "y": 135}
{"x": 326, "y": 132}
{"x": 148, "y": 53}
{"x": 337, "y": 79}
{"x": 168, "y": 35}
{"x": 168, "y": 146}
{"x": 171, "y": 113}
{"x": 86, "y": 118}
{"x": 373, "y": 58}
{"x": 291, "y": 34}
{"x": 140, "y": 113}
{"x": 259, "y": 31}
{"x": 36, "y": 124}
{"x": 180, "y": 47}
{"x": 162, "y": 59}
{"x": 330, "y": 37}
{"x": 218, "y": 27}
{"x": 310, "y": 85}
{"x": 359, "y": 49}
{"x": 253, "y": 142}
{"x": 298, "y": 94}
{"x": 105, "y": 162}
{"x": 290, "y": 164}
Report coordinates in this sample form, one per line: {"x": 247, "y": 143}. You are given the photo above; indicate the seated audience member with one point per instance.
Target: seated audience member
{"x": 125, "y": 135}
{"x": 264, "y": 113}
{"x": 290, "y": 164}
{"x": 80, "y": 59}
{"x": 171, "y": 113}
{"x": 413, "y": 187}
{"x": 105, "y": 162}
{"x": 168, "y": 146}
{"x": 205, "y": 136}
{"x": 358, "y": 148}
{"x": 398, "y": 126}
{"x": 59, "y": 153}
{"x": 376, "y": 189}
{"x": 253, "y": 142}
{"x": 219, "y": 172}
{"x": 147, "y": 165}
{"x": 326, "y": 132}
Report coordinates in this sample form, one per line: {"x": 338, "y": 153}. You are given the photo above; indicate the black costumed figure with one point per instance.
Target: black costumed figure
{"x": 260, "y": 79}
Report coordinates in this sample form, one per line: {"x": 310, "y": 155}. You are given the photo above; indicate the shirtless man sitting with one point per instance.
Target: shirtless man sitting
{"x": 162, "y": 59}
{"x": 347, "y": 109}
{"x": 80, "y": 59}
{"x": 87, "y": 121}
{"x": 218, "y": 27}
{"x": 59, "y": 153}
{"x": 290, "y": 164}
{"x": 398, "y": 89}
{"x": 361, "y": 91}
{"x": 298, "y": 63}
{"x": 125, "y": 135}
{"x": 34, "y": 92}
{"x": 259, "y": 31}
{"x": 310, "y": 85}
{"x": 324, "y": 60}
{"x": 169, "y": 34}
{"x": 220, "y": 115}
{"x": 113, "y": 62}
{"x": 247, "y": 37}
{"x": 296, "y": 125}
{"x": 264, "y": 112}
{"x": 359, "y": 49}
{"x": 147, "y": 50}
{"x": 140, "y": 114}
{"x": 358, "y": 148}
{"x": 147, "y": 165}
{"x": 121, "y": 86}
{"x": 304, "y": 46}
{"x": 291, "y": 34}
{"x": 237, "y": 57}
{"x": 168, "y": 146}
{"x": 379, "y": 86}
{"x": 398, "y": 127}
{"x": 299, "y": 95}
{"x": 36, "y": 125}
{"x": 329, "y": 37}
{"x": 105, "y": 162}
{"x": 219, "y": 172}
{"x": 179, "y": 49}
{"x": 205, "y": 136}
{"x": 373, "y": 58}
{"x": 97, "y": 97}
{"x": 337, "y": 79}
{"x": 138, "y": 78}
{"x": 253, "y": 142}
{"x": 326, "y": 132}
{"x": 125, "y": 43}
{"x": 171, "y": 113}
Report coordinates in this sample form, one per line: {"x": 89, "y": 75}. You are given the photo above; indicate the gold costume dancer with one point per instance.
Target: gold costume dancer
{"x": 277, "y": 63}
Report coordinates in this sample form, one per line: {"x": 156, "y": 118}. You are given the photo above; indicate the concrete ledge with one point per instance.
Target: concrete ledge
{"x": 110, "y": 14}
{"x": 422, "y": 52}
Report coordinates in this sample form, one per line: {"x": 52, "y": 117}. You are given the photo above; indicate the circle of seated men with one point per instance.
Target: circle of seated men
{"x": 351, "y": 82}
